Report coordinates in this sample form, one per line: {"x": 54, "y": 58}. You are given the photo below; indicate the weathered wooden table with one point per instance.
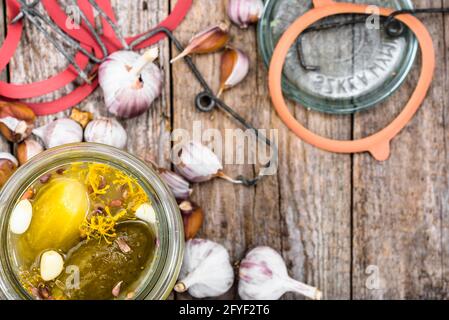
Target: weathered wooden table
{"x": 340, "y": 221}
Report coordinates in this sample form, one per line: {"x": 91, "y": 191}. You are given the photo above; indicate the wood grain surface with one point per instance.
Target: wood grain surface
{"x": 338, "y": 220}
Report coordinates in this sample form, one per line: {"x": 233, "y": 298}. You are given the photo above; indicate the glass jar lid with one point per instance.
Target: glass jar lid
{"x": 355, "y": 67}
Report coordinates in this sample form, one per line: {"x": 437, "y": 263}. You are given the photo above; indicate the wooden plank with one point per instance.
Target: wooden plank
{"x": 236, "y": 216}
{"x": 298, "y": 211}
{"x": 4, "y": 145}
{"x": 400, "y": 205}
{"x": 36, "y": 60}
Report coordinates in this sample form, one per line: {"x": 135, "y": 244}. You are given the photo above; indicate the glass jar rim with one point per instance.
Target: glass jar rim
{"x": 171, "y": 237}
{"x": 348, "y": 105}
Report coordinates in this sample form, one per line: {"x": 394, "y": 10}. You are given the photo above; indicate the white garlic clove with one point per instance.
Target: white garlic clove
{"x": 178, "y": 185}
{"x": 206, "y": 270}
{"x": 106, "y": 131}
{"x": 146, "y": 213}
{"x": 197, "y": 163}
{"x": 21, "y": 216}
{"x": 234, "y": 68}
{"x": 263, "y": 276}
{"x": 51, "y": 265}
{"x": 60, "y": 132}
{"x": 28, "y": 149}
{"x": 130, "y": 82}
{"x": 245, "y": 12}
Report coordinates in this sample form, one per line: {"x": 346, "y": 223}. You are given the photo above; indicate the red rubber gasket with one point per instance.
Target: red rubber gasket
{"x": 377, "y": 144}
{"x": 10, "y": 91}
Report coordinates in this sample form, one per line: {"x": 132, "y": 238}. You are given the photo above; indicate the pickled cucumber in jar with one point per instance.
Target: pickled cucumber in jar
{"x": 83, "y": 237}
{"x": 101, "y": 266}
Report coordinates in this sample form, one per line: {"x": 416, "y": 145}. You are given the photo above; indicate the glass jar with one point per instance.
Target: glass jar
{"x": 357, "y": 67}
{"x": 156, "y": 283}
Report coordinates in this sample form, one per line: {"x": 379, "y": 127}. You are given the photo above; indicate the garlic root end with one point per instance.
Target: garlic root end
{"x": 223, "y": 176}
{"x": 148, "y": 57}
{"x": 180, "y": 56}
{"x": 305, "y": 290}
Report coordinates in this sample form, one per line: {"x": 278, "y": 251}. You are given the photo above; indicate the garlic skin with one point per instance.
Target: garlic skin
{"x": 82, "y": 117}
{"x": 106, "y": 131}
{"x": 177, "y": 184}
{"x": 28, "y": 149}
{"x": 197, "y": 163}
{"x": 16, "y": 121}
{"x": 263, "y": 276}
{"x": 60, "y": 132}
{"x": 193, "y": 217}
{"x": 234, "y": 68}
{"x": 130, "y": 82}
{"x": 206, "y": 270}
{"x": 210, "y": 40}
{"x": 245, "y": 12}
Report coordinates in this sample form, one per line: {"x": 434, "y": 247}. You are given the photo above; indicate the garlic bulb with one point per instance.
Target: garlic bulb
{"x": 60, "y": 132}
{"x": 234, "y": 68}
{"x": 130, "y": 82}
{"x": 245, "y": 12}
{"x": 106, "y": 131}
{"x": 197, "y": 163}
{"x": 263, "y": 276}
{"x": 28, "y": 149}
{"x": 210, "y": 40}
{"x": 206, "y": 270}
{"x": 178, "y": 185}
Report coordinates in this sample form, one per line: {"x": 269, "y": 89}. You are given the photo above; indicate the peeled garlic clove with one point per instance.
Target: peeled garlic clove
{"x": 192, "y": 216}
{"x": 146, "y": 213}
{"x": 263, "y": 276}
{"x": 178, "y": 185}
{"x": 245, "y": 12}
{"x": 8, "y": 164}
{"x": 234, "y": 68}
{"x": 60, "y": 132}
{"x": 21, "y": 216}
{"x": 130, "y": 82}
{"x": 106, "y": 131}
{"x": 28, "y": 149}
{"x": 116, "y": 289}
{"x": 207, "y": 41}
{"x": 197, "y": 163}
{"x": 16, "y": 121}
{"x": 51, "y": 265}
{"x": 206, "y": 270}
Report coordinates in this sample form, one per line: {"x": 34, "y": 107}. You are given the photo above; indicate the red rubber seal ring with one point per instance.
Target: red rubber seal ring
{"x": 10, "y": 91}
